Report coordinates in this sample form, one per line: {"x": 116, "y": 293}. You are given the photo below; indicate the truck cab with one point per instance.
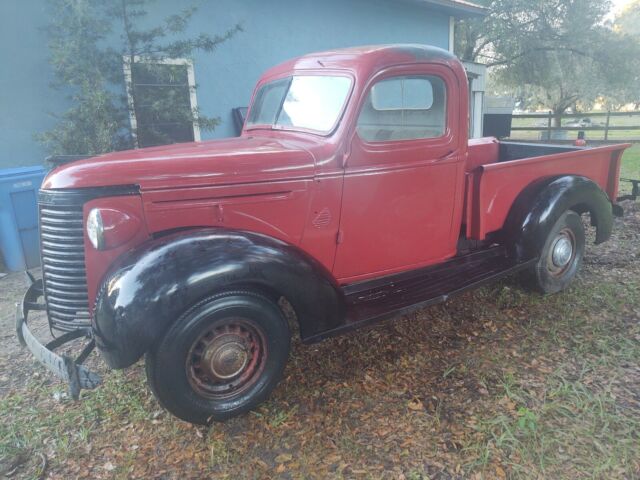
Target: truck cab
{"x": 353, "y": 193}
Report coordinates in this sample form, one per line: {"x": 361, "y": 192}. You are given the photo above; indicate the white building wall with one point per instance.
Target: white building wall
{"x": 477, "y": 73}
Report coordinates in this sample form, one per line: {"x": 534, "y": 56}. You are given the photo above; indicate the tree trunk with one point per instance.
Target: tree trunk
{"x": 131, "y": 57}
{"x": 575, "y": 107}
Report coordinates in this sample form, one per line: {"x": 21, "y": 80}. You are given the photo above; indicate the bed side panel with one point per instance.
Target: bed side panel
{"x": 496, "y": 186}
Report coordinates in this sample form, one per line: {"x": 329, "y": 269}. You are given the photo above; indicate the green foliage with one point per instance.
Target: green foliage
{"x": 89, "y": 70}
{"x": 557, "y": 54}
{"x": 94, "y": 123}
{"x": 527, "y": 420}
{"x": 627, "y": 24}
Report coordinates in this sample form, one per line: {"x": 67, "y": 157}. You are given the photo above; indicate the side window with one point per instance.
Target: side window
{"x": 404, "y": 108}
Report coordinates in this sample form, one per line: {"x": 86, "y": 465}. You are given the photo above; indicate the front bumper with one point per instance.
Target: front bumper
{"x": 71, "y": 371}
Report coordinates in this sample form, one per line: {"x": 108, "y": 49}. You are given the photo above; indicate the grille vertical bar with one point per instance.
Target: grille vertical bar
{"x": 64, "y": 272}
{"x": 63, "y": 265}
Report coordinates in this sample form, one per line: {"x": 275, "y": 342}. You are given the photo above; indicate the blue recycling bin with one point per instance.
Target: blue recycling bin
{"x": 19, "y": 242}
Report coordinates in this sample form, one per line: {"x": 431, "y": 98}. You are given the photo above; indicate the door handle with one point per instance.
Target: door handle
{"x": 446, "y": 156}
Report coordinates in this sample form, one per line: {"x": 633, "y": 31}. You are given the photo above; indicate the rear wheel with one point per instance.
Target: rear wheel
{"x": 561, "y": 255}
{"x": 221, "y": 358}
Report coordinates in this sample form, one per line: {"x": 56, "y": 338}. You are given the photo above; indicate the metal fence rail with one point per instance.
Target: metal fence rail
{"x": 614, "y": 126}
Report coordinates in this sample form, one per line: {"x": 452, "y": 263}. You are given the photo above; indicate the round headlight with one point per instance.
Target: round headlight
{"x": 109, "y": 228}
{"x": 95, "y": 229}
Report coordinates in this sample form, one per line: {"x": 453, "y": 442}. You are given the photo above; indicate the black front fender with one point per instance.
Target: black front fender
{"x": 539, "y": 206}
{"x": 153, "y": 285}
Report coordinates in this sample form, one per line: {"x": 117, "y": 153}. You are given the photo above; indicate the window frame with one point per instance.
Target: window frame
{"x": 193, "y": 100}
{"x": 390, "y": 75}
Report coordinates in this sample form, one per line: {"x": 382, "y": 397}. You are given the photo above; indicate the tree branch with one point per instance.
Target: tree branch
{"x": 537, "y": 49}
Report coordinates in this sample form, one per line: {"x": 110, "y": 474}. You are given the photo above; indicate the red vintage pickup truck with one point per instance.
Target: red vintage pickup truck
{"x": 353, "y": 193}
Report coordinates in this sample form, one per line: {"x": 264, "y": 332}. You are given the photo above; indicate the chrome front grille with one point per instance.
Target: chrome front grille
{"x": 63, "y": 267}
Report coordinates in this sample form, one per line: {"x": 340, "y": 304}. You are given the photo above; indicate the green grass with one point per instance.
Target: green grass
{"x": 573, "y": 431}
{"x": 630, "y": 167}
{"x": 573, "y": 420}
{"x": 26, "y": 426}
{"x": 577, "y": 423}
{"x": 631, "y": 162}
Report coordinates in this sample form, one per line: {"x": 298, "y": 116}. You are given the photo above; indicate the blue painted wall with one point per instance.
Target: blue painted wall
{"x": 26, "y": 100}
{"x": 273, "y": 32}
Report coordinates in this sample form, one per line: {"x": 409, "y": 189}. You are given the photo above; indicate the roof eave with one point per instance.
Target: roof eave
{"x": 456, "y": 8}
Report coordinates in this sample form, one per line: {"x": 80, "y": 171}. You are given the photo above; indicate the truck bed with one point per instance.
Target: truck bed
{"x": 497, "y": 172}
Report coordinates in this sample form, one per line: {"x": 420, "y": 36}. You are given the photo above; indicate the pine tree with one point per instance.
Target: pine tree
{"x": 88, "y": 68}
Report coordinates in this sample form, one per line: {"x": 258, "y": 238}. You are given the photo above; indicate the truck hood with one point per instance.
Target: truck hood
{"x": 235, "y": 160}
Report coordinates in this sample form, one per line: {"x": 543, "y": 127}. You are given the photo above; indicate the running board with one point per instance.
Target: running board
{"x": 392, "y": 295}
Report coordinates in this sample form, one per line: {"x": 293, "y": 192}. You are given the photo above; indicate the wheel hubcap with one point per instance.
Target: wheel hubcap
{"x": 562, "y": 252}
{"x": 227, "y": 358}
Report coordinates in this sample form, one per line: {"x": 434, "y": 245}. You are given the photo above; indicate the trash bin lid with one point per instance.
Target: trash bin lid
{"x": 9, "y": 173}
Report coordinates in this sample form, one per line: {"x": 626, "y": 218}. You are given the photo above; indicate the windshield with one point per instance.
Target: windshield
{"x": 306, "y": 102}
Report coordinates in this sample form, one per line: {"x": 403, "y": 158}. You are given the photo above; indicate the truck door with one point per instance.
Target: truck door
{"x": 401, "y": 175}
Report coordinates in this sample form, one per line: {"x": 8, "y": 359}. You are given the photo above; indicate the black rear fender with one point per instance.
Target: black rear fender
{"x": 539, "y": 206}
{"x": 153, "y": 285}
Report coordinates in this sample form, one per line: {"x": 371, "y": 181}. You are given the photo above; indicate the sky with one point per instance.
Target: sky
{"x": 618, "y": 5}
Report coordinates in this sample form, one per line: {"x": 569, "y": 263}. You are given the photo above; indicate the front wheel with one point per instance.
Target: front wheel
{"x": 221, "y": 358}
{"x": 561, "y": 255}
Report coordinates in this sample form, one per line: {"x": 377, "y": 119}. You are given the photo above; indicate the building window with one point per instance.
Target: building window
{"x": 404, "y": 108}
{"x": 162, "y": 101}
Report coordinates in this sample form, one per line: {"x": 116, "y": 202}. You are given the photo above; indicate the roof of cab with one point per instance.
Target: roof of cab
{"x": 366, "y": 57}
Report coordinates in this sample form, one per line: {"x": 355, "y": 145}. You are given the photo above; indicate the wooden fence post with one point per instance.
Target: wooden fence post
{"x": 606, "y": 125}
{"x": 549, "y": 125}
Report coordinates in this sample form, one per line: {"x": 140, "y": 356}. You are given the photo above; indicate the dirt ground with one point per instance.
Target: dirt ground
{"x": 496, "y": 383}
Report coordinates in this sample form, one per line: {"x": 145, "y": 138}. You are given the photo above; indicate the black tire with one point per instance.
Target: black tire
{"x": 235, "y": 336}
{"x": 554, "y": 272}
